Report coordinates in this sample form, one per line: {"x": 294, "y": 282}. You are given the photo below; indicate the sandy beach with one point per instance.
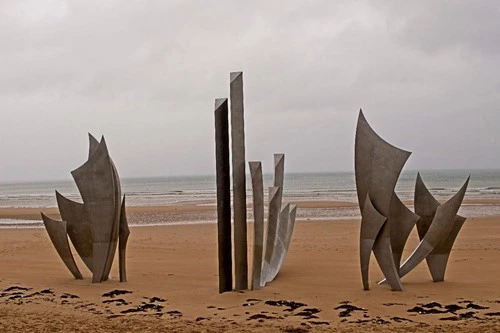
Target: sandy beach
{"x": 173, "y": 284}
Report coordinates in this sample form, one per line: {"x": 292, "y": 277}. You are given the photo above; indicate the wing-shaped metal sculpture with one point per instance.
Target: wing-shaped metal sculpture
{"x": 439, "y": 230}
{"x": 426, "y": 206}
{"x": 99, "y": 225}
{"x": 96, "y": 183}
{"x": 59, "y": 237}
{"x": 377, "y": 168}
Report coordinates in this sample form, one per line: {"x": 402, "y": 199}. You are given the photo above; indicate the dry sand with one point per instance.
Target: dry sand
{"x": 173, "y": 284}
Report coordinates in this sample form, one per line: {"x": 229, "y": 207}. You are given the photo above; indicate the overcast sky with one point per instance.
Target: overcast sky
{"x": 146, "y": 73}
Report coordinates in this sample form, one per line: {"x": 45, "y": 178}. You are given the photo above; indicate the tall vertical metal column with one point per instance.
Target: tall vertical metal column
{"x": 258, "y": 217}
{"x": 239, "y": 180}
{"x": 223, "y": 195}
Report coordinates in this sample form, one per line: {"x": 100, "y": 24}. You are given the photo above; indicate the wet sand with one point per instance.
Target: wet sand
{"x": 173, "y": 284}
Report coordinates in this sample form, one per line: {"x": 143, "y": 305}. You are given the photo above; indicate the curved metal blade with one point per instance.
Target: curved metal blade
{"x": 78, "y": 227}
{"x": 439, "y": 229}
{"x": 59, "y": 238}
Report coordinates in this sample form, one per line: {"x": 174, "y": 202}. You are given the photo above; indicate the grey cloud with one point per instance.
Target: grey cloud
{"x": 145, "y": 74}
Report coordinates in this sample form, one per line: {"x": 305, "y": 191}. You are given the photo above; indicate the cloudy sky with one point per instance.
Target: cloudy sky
{"x": 146, "y": 73}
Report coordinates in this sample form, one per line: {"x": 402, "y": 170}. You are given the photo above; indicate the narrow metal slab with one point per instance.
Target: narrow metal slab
{"x": 258, "y": 213}
{"x": 239, "y": 181}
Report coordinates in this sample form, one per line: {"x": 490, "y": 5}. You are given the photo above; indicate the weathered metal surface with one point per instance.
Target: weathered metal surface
{"x": 59, "y": 238}
{"x": 223, "y": 195}
{"x": 239, "y": 180}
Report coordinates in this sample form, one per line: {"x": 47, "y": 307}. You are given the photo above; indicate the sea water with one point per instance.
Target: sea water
{"x": 334, "y": 186}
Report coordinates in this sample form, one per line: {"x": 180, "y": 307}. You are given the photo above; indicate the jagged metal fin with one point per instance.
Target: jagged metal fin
{"x": 426, "y": 205}
{"x": 116, "y": 222}
{"x": 122, "y": 245}
{"x": 400, "y": 222}
{"x": 440, "y": 229}
{"x": 377, "y": 167}
{"x": 93, "y": 144}
{"x": 78, "y": 227}
{"x": 258, "y": 213}
{"x": 272, "y": 229}
{"x": 437, "y": 260}
{"x": 95, "y": 182}
{"x": 371, "y": 224}
{"x": 59, "y": 238}
{"x": 279, "y": 248}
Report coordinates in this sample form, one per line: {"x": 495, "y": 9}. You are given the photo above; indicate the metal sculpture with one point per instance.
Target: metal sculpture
{"x": 386, "y": 222}
{"x": 266, "y": 260}
{"x": 98, "y": 225}
{"x": 239, "y": 180}
{"x": 281, "y": 223}
{"x": 377, "y": 167}
{"x": 258, "y": 224}
{"x": 59, "y": 237}
{"x": 426, "y": 206}
{"x": 437, "y": 240}
{"x": 223, "y": 195}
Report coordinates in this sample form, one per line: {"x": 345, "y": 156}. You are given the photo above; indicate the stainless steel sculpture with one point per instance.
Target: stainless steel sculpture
{"x": 377, "y": 167}
{"x": 97, "y": 225}
{"x": 266, "y": 260}
{"x": 426, "y": 206}
{"x": 437, "y": 240}
{"x": 386, "y": 222}
{"x": 281, "y": 223}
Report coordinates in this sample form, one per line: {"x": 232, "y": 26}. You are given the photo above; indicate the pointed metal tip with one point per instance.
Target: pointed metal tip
{"x": 361, "y": 116}
{"x": 234, "y": 75}
{"x": 273, "y": 191}
{"x": 278, "y": 158}
{"x": 219, "y": 102}
{"x": 254, "y": 165}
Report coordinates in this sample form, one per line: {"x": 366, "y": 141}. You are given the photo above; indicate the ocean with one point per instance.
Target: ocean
{"x": 201, "y": 190}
